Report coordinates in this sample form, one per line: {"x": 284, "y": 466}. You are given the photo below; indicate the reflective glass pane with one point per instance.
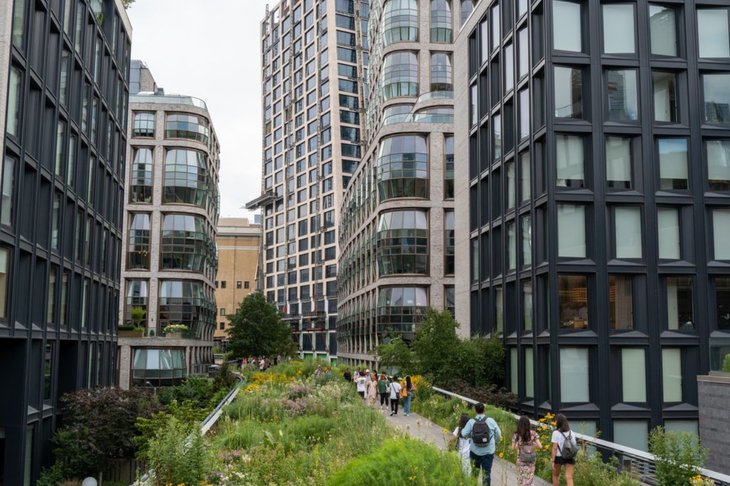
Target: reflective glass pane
{"x": 673, "y": 163}
{"x": 721, "y": 232}
{"x": 717, "y": 97}
{"x": 571, "y": 231}
{"x": 633, "y": 367}
{"x": 712, "y": 27}
{"x": 623, "y": 97}
{"x": 628, "y": 232}
{"x": 568, "y": 92}
{"x": 618, "y": 162}
{"x": 618, "y": 28}
{"x": 663, "y": 30}
{"x": 569, "y": 161}
{"x": 574, "y": 381}
{"x": 567, "y": 26}
{"x": 718, "y": 164}
{"x": 668, "y": 231}
{"x": 665, "y": 96}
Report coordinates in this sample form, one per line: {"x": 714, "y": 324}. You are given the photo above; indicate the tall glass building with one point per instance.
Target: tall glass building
{"x": 594, "y": 139}
{"x": 64, "y": 82}
{"x": 314, "y": 63}
{"x": 170, "y": 258}
{"x": 397, "y": 226}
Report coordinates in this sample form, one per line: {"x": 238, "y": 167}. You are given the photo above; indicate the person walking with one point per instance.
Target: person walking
{"x": 361, "y": 383}
{"x": 565, "y": 449}
{"x": 347, "y": 375}
{"x": 394, "y": 392}
{"x": 484, "y": 434}
{"x": 409, "y": 395}
{"x": 383, "y": 391}
{"x": 372, "y": 390}
{"x": 463, "y": 445}
{"x": 526, "y": 443}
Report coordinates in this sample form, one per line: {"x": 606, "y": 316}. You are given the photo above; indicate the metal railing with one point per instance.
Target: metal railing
{"x": 638, "y": 462}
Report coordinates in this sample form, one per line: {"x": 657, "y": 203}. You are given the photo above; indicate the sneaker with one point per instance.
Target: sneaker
{"x": 391, "y": 414}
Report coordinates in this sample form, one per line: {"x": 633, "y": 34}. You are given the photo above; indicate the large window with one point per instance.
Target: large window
{"x": 525, "y": 179}
{"x": 712, "y": 27}
{"x": 511, "y": 185}
{"x": 526, "y": 231}
{"x": 623, "y": 97}
{"x": 467, "y": 6}
{"x": 138, "y": 253}
{"x": 618, "y": 28}
{"x": 527, "y": 306}
{"x": 721, "y": 233}
{"x": 141, "y": 183}
{"x": 618, "y": 162}
{"x": 621, "y": 301}
{"x": 15, "y": 95}
{"x": 158, "y": 367}
{"x": 441, "y": 72}
{"x": 449, "y": 243}
{"x": 722, "y": 296}
{"x": 568, "y": 92}
{"x": 665, "y": 96}
{"x": 672, "y": 374}
{"x": 441, "y": 22}
{"x": 524, "y": 99}
{"x": 7, "y": 183}
{"x": 631, "y": 433}
{"x": 663, "y": 24}
{"x": 511, "y": 246}
{"x": 680, "y": 305}
{"x": 137, "y": 294}
{"x": 718, "y": 164}
{"x": 188, "y": 126}
{"x": 186, "y": 243}
{"x": 672, "y": 163}
{"x": 668, "y": 231}
{"x": 574, "y": 381}
{"x": 716, "y": 98}
{"x": 573, "y": 301}
{"x": 144, "y": 125}
{"x": 188, "y": 303}
{"x": 449, "y": 167}
{"x": 400, "y": 308}
{"x": 402, "y": 167}
{"x": 627, "y": 223}
{"x": 186, "y": 177}
{"x": 51, "y": 309}
{"x": 633, "y": 368}
{"x": 400, "y": 75}
{"x": 402, "y": 245}
{"x": 400, "y": 21}
{"x": 567, "y": 26}
{"x": 4, "y": 274}
{"x": 569, "y": 160}
{"x": 571, "y": 231}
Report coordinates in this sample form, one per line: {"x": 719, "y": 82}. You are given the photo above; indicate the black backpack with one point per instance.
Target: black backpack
{"x": 481, "y": 436}
{"x": 569, "y": 449}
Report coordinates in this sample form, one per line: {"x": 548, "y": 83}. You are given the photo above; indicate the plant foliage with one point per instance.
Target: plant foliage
{"x": 679, "y": 456}
{"x": 257, "y": 330}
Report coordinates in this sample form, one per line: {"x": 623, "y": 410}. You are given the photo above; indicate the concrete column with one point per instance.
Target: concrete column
{"x": 125, "y": 367}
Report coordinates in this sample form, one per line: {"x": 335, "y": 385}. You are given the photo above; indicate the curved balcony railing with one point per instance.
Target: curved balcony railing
{"x": 435, "y": 95}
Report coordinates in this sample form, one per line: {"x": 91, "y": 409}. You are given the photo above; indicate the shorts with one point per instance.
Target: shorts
{"x": 361, "y": 393}
{"x": 560, "y": 461}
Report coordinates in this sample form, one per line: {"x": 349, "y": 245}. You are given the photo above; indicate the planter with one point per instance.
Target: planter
{"x": 131, "y": 334}
{"x": 175, "y": 335}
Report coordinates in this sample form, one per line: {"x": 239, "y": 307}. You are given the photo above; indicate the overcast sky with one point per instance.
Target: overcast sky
{"x": 210, "y": 49}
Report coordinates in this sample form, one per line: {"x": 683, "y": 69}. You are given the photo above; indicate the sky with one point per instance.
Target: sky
{"x": 210, "y": 49}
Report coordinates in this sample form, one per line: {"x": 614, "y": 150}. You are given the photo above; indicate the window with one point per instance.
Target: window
{"x": 7, "y": 184}
{"x": 467, "y": 6}
{"x": 222, "y": 311}
{"x": 514, "y": 372}
{"x": 663, "y": 24}
{"x": 573, "y": 300}
{"x": 523, "y": 49}
{"x": 497, "y": 136}
{"x": 400, "y": 21}
{"x": 511, "y": 185}
{"x": 680, "y": 305}
{"x": 524, "y": 114}
{"x": 186, "y": 178}
{"x": 526, "y": 226}
{"x": 618, "y": 28}
{"x": 15, "y": 95}
{"x": 498, "y": 310}
{"x": 511, "y": 246}
{"x": 402, "y": 167}
{"x": 668, "y": 232}
{"x": 574, "y": 382}
{"x": 239, "y": 284}
{"x": 246, "y": 284}
{"x": 48, "y": 373}
{"x": 399, "y": 308}
{"x": 718, "y": 164}
{"x": 4, "y": 271}
{"x": 722, "y": 301}
{"x": 63, "y": 86}
{"x": 188, "y": 303}
{"x": 449, "y": 243}
{"x": 672, "y": 163}
{"x": 137, "y": 293}
{"x": 449, "y": 167}
{"x": 143, "y": 125}
{"x": 527, "y": 309}
{"x": 402, "y": 242}
{"x": 525, "y": 183}
{"x": 441, "y": 72}
{"x": 665, "y": 97}
{"x": 568, "y": 92}
{"x": 567, "y": 26}
{"x": 631, "y": 433}
{"x": 716, "y": 97}
{"x": 19, "y": 25}
{"x": 186, "y": 243}
{"x": 623, "y": 97}
{"x": 441, "y": 23}
{"x": 158, "y": 367}
{"x": 621, "y": 301}
{"x": 509, "y": 74}
{"x": 60, "y": 138}
{"x": 618, "y": 162}
{"x": 138, "y": 254}
{"x": 188, "y": 126}
{"x": 55, "y": 221}
{"x": 633, "y": 368}
{"x": 496, "y": 26}
{"x": 571, "y": 231}
{"x": 223, "y": 284}
{"x": 672, "y": 374}
{"x": 712, "y": 27}
{"x": 721, "y": 233}
{"x": 141, "y": 177}
{"x": 569, "y": 161}
{"x": 473, "y": 109}
{"x": 400, "y": 75}
{"x": 628, "y": 231}
{"x": 52, "y": 280}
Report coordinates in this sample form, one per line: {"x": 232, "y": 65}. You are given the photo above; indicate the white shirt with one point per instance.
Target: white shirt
{"x": 464, "y": 444}
{"x": 361, "y": 382}
{"x": 560, "y": 440}
{"x": 394, "y": 390}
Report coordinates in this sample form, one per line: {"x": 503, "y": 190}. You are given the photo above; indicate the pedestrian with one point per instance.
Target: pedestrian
{"x": 317, "y": 372}
{"x": 383, "y": 391}
{"x": 484, "y": 433}
{"x": 526, "y": 443}
{"x": 347, "y": 375}
{"x": 565, "y": 449}
{"x": 394, "y": 392}
{"x": 372, "y": 390}
{"x": 361, "y": 384}
{"x": 462, "y": 445}
{"x": 409, "y": 395}
{"x": 329, "y": 371}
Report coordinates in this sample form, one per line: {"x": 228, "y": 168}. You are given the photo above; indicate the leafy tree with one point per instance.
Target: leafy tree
{"x": 187, "y": 416}
{"x": 480, "y": 361}
{"x": 436, "y": 346}
{"x": 395, "y": 355}
{"x": 257, "y": 330}
{"x": 679, "y": 456}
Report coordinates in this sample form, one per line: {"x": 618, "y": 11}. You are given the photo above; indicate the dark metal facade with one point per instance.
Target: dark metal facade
{"x": 63, "y": 166}
{"x": 609, "y": 290}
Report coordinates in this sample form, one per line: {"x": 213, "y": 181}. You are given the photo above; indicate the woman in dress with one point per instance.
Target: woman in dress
{"x": 372, "y": 389}
{"x": 463, "y": 445}
{"x": 526, "y": 442}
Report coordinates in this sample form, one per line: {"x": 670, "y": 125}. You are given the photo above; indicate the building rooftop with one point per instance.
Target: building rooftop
{"x": 160, "y": 97}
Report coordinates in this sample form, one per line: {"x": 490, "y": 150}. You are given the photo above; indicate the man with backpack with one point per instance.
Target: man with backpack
{"x": 484, "y": 433}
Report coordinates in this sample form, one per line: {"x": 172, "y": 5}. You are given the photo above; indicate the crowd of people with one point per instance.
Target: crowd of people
{"x": 374, "y": 387}
{"x": 260, "y": 362}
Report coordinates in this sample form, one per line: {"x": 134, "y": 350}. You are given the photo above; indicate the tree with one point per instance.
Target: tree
{"x": 679, "y": 456}
{"x": 436, "y": 346}
{"x": 396, "y": 356}
{"x": 257, "y": 330}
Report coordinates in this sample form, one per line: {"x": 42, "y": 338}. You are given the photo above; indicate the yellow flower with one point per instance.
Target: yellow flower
{"x": 446, "y": 431}
{"x": 501, "y": 454}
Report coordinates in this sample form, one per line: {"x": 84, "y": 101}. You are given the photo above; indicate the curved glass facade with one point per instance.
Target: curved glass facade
{"x": 141, "y": 183}
{"x": 400, "y": 75}
{"x": 189, "y": 303}
{"x": 187, "y": 179}
{"x": 158, "y": 367}
{"x": 466, "y": 8}
{"x": 402, "y": 167}
{"x": 441, "y": 21}
{"x": 400, "y": 21}
{"x": 441, "y": 72}
{"x": 186, "y": 243}
{"x": 138, "y": 249}
{"x": 192, "y": 127}
{"x": 402, "y": 242}
{"x": 396, "y": 114}
{"x": 400, "y": 308}
{"x": 433, "y": 115}
{"x": 144, "y": 125}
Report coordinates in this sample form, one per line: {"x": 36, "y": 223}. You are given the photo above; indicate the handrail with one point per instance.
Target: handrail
{"x": 640, "y": 462}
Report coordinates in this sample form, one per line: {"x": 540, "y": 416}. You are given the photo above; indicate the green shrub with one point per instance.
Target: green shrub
{"x": 726, "y": 363}
{"x": 403, "y": 461}
{"x": 679, "y": 456}
{"x": 172, "y": 461}
{"x": 590, "y": 470}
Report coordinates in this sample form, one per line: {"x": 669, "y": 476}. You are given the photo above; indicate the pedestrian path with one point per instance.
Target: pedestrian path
{"x": 503, "y": 472}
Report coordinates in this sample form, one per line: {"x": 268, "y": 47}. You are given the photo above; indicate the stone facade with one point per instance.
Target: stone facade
{"x": 714, "y": 397}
